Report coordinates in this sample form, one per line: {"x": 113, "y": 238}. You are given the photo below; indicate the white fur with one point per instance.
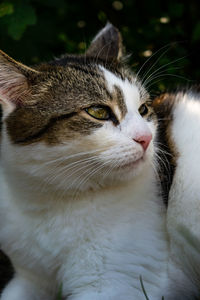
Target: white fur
{"x": 99, "y": 247}
{"x": 130, "y": 91}
{"x": 133, "y": 126}
{"x": 94, "y": 228}
{"x": 184, "y": 201}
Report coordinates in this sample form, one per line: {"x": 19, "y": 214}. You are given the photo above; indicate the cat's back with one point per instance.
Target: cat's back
{"x": 179, "y": 124}
{"x": 179, "y": 114}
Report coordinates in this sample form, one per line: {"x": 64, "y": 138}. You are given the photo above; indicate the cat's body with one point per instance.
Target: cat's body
{"x": 180, "y": 115}
{"x": 80, "y": 205}
{"x": 86, "y": 244}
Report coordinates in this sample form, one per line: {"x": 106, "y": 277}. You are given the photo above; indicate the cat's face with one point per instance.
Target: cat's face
{"x": 76, "y": 123}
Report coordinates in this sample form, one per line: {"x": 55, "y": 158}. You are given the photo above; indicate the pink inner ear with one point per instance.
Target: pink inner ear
{"x": 13, "y": 88}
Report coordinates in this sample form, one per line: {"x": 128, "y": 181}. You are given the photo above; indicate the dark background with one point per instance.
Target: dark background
{"x": 37, "y": 30}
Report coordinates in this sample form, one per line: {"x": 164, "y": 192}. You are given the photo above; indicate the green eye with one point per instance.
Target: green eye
{"x": 99, "y": 112}
{"x": 143, "y": 110}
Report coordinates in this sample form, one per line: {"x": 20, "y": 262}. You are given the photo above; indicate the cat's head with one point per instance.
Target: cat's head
{"x": 77, "y": 122}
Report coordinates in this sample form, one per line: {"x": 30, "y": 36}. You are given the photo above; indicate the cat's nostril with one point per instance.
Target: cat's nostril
{"x": 144, "y": 140}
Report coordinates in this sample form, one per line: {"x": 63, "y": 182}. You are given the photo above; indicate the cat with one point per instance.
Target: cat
{"x": 179, "y": 129}
{"x": 80, "y": 203}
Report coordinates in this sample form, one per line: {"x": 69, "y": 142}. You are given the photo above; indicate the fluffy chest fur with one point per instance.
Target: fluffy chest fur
{"x": 88, "y": 243}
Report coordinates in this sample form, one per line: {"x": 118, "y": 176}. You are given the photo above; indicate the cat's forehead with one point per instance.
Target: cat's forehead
{"x": 77, "y": 85}
{"x": 85, "y": 85}
{"x": 131, "y": 96}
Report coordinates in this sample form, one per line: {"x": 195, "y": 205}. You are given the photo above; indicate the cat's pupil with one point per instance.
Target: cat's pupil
{"x": 143, "y": 110}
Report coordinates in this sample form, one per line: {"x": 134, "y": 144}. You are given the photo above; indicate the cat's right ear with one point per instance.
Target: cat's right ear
{"x": 107, "y": 44}
{"x": 14, "y": 83}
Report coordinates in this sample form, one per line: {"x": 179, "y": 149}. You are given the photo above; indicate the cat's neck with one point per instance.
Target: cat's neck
{"x": 30, "y": 193}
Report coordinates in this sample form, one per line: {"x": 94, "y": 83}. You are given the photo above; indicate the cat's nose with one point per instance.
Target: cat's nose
{"x": 144, "y": 140}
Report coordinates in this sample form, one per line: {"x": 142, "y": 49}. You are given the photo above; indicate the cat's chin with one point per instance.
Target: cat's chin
{"x": 125, "y": 172}
{"x": 130, "y": 166}
{"x": 128, "y": 170}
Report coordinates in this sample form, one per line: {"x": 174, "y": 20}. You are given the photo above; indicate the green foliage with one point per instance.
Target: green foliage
{"x": 59, "y": 296}
{"x": 35, "y": 30}
{"x": 16, "y": 17}
{"x": 6, "y": 9}
{"x": 196, "y": 32}
{"x": 144, "y": 291}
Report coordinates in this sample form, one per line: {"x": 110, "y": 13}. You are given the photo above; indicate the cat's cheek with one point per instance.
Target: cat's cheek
{"x": 152, "y": 125}
{"x": 103, "y": 138}
{"x": 149, "y": 155}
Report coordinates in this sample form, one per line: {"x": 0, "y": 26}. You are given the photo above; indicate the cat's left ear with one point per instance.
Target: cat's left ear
{"x": 15, "y": 82}
{"x": 107, "y": 44}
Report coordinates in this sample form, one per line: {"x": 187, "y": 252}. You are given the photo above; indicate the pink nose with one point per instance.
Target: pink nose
{"x": 144, "y": 140}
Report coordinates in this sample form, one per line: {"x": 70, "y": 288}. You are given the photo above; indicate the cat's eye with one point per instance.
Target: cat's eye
{"x": 143, "y": 109}
{"x": 99, "y": 112}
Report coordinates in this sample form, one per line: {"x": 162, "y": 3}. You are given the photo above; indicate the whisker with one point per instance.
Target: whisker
{"x": 147, "y": 72}
{"x": 60, "y": 175}
{"x": 163, "y": 162}
{"x": 68, "y": 166}
{"x": 65, "y": 159}
{"x": 158, "y": 144}
{"x": 141, "y": 68}
{"x": 164, "y": 119}
{"x": 73, "y": 165}
{"x": 157, "y": 74}
{"x": 92, "y": 173}
{"x": 155, "y": 168}
{"x": 95, "y": 171}
{"x": 172, "y": 75}
{"x": 164, "y": 66}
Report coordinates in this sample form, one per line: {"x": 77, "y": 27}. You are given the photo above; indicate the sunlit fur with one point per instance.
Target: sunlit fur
{"x": 184, "y": 199}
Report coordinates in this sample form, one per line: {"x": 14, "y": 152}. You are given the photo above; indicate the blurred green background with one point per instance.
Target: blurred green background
{"x": 36, "y": 30}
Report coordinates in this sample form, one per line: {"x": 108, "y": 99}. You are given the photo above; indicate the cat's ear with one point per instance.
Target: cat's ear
{"x": 107, "y": 44}
{"x": 14, "y": 82}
